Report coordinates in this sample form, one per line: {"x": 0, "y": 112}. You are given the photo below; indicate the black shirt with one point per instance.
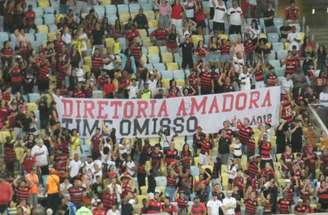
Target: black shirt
{"x": 127, "y": 209}
{"x": 97, "y": 37}
{"x": 284, "y": 31}
{"x": 269, "y": 22}
{"x": 187, "y": 49}
{"x": 141, "y": 21}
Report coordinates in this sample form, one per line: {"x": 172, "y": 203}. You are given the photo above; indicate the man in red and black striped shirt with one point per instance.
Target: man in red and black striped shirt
{"x": 205, "y": 81}
{"x": 198, "y": 208}
{"x": 97, "y": 62}
{"x": 136, "y": 52}
{"x": 265, "y": 150}
{"x": 109, "y": 199}
{"x": 251, "y": 204}
{"x": 22, "y": 191}
{"x": 159, "y": 36}
{"x": 292, "y": 63}
{"x": 76, "y": 193}
{"x": 245, "y": 134}
{"x": 283, "y": 205}
{"x": 43, "y": 75}
{"x": 193, "y": 80}
{"x": 301, "y": 208}
{"x": 9, "y": 155}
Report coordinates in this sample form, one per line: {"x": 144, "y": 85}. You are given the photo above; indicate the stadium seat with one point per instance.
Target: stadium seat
{"x": 278, "y": 46}
{"x": 134, "y": 8}
{"x": 42, "y": 28}
{"x": 273, "y": 37}
{"x": 4, "y": 36}
{"x": 179, "y": 75}
{"x": 30, "y": 37}
{"x": 282, "y": 54}
{"x": 272, "y": 55}
{"x": 149, "y": 66}
{"x": 33, "y": 97}
{"x": 122, "y": 8}
{"x": 158, "y": 66}
{"x": 152, "y": 23}
{"x": 38, "y": 21}
{"x": 144, "y": 190}
{"x": 122, "y": 42}
{"x": 109, "y": 42}
{"x": 41, "y": 37}
{"x": 97, "y": 94}
{"x": 111, "y": 10}
{"x": 112, "y": 19}
{"x": 154, "y": 59}
{"x": 43, "y": 3}
{"x": 166, "y": 75}
{"x": 149, "y": 14}
{"x": 99, "y": 10}
{"x": 167, "y": 57}
{"x": 49, "y": 19}
{"x": 153, "y": 50}
{"x": 278, "y": 21}
{"x": 52, "y": 28}
{"x": 196, "y": 39}
{"x": 124, "y": 17}
{"x": 106, "y": 2}
{"x": 177, "y": 58}
{"x": 194, "y": 171}
{"x": 38, "y": 12}
{"x": 51, "y": 36}
{"x": 234, "y": 37}
{"x": 49, "y": 10}
{"x": 172, "y": 66}
{"x": 223, "y": 37}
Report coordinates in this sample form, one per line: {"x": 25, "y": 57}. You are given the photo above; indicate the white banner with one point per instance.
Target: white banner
{"x": 182, "y": 115}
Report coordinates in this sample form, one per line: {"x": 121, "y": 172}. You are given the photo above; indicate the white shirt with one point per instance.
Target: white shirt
{"x": 219, "y": 13}
{"x": 111, "y": 212}
{"x": 41, "y": 155}
{"x": 238, "y": 64}
{"x": 74, "y": 168}
{"x": 245, "y": 81}
{"x": 292, "y": 36}
{"x": 67, "y": 38}
{"x": 133, "y": 91}
{"x": 214, "y": 206}
{"x": 235, "y": 15}
{"x": 130, "y": 165}
{"x": 286, "y": 85}
{"x": 229, "y": 201}
{"x": 233, "y": 172}
{"x": 323, "y": 97}
{"x": 153, "y": 86}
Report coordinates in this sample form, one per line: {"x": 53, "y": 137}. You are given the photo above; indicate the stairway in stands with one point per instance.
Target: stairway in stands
{"x": 320, "y": 35}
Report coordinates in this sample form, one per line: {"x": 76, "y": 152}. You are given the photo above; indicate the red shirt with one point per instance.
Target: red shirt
{"x": 6, "y": 191}
{"x": 108, "y": 89}
{"x": 245, "y": 133}
{"x": 154, "y": 206}
{"x": 28, "y": 163}
{"x": 177, "y": 11}
{"x": 198, "y": 210}
{"x": 292, "y": 13}
{"x": 99, "y": 211}
{"x": 130, "y": 35}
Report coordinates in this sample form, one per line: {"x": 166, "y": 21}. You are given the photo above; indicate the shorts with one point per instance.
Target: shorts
{"x": 235, "y": 29}
{"x": 218, "y": 27}
{"x": 201, "y": 24}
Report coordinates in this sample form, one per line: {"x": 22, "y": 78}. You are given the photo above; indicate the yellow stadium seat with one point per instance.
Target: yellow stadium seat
{"x": 3, "y": 135}
{"x": 124, "y": 17}
{"x": 106, "y": 2}
{"x": 301, "y": 36}
{"x": 179, "y": 142}
{"x": 146, "y": 41}
{"x": 196, "y": 39}
{"x": 153, "y": 50}
{"x": 160, "y": 189}
{"x": 133, "y": 14}
{"x": 42, "y": 28}
{"x": 51, "y": 36}
{"x": 143, "y": 190}
{"x": 172, "y": 66}
{"x": 109, "y": 42}
{"x": 86, "y": 69}
{"x": 44, "y": 3}
{"x": 142, "y": 32}
{"x": 167, "y": 57}
{"x": 153, "y": 140}
{"x": 32, "y": 107}
{"x": 181, "y": 83}
{"x": 165, "y": 83}
{"x": 87, "y": 61}
{"x": 152, "y": 23}
{"x": 263, "y": 35}
{"x": 223, "y": 37}
{"x": 150, "y": 15}
{"x": 140, "y": 198}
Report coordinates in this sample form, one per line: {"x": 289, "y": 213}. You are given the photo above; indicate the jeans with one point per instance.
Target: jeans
{"x": 170, "y": 191}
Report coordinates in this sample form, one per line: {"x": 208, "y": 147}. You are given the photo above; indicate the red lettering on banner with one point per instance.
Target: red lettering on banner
{"x": 68, "y": 108}
{"x": 225, "y": 102}
{"x": 267, "y": 99}
{"x": 197, "y": 107}
{"x": 182, "y": 108}
{"x": 152, "y": 113}
{"x": 101, "y": 113}
{"x": 142, "y": 107}
{"x": 163, "y": 110}
{"x": 78, "y": 108}
{"x": 128, "y": 110}
{"x": 241, "y": 97}
{"x": 115, "y": 104}
{"x": 214, "y": 106}
{"x": 88, "y": 107}
{"x": 255, "y": 95}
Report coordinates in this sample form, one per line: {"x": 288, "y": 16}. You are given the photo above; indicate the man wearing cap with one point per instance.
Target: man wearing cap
{"x": 229, "y": 204}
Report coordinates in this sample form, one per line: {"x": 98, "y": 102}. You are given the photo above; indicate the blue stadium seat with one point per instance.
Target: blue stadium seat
{"x": 149, "y": 66}
{"x": 4, "y": 36}
{"x": 278, "y": 21}
{"x": 49, "y": 10}
{"x": 111, "y": 10}
{"x": 41, "y": 37}
{"x": 159, "y": 66}
{"x": 122, "y": 42}
{"x": 49, "y": 19}
{"x": 33, "y": 97}
{"x": 161, "y": 181}
{"x": 99, "y": 10}
{"x": 167, "y": 75}
{"x": 38, "y": 21}
{"x": 123, "y": 8}
{"x": 282, "y": 54}
{"x": 154, "y": 59}
{"x": 31, "y": 37}
{"x": 177, "y": 58}
{"x": 112, "y": 19}
{"x": 38, "y": 11}
{"x": 278, "y": 46}
{"x": 163, "y": 49}
{"x": 13, "y": 40}
{"x": 194, "y": 171}
{"x": 52, "y": 28}
{"x": 134, "y": 8}
{"x": 147, "y": 6}
{"x": 272, "y": 55}
{"x": 97, "y": 94}
{"x": 179, "y": 75}
{"x": 273, "y": 37}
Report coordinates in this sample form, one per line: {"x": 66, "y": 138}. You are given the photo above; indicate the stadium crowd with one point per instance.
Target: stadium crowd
{"x": 158, "y": 49}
